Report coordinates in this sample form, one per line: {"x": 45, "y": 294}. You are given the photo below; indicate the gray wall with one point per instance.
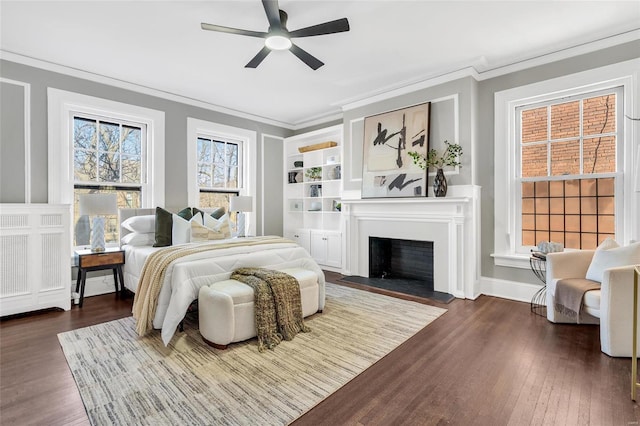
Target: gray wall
{"x": 476, "y": 128}
{"x": 12, "y": 143}
{"x": 486, "y": 92}
{"x": 475, "y": 109}
{"x": 175, "y": 133}
{"x": 272, "y": 185}
{"x": 442, "y": 126}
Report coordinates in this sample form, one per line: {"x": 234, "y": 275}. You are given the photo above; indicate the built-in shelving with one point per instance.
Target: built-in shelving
{"x": 313, "y": 191}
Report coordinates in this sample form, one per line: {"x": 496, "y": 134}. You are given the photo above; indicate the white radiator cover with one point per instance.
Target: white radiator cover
{"x": 35, "y": 242}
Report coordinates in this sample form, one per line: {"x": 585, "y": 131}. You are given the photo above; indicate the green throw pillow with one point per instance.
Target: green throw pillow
{"x": 164, "y": 225}
{"x": 216, "y": 214}
{"x": 185, "y": 213}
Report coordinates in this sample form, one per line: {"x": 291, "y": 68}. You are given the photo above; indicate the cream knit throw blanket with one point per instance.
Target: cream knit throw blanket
{"x": 145, "y": 301}
{"x": 277, "y": 305}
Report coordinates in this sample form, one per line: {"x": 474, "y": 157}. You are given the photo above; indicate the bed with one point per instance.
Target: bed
{"x": 185, "y": 276}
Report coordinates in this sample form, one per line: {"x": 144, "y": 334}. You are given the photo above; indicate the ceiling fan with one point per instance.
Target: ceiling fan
{"x": 279, "y": 37}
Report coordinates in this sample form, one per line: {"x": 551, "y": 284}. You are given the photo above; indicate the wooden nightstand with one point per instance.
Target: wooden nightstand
{"x": 111, "y": 258}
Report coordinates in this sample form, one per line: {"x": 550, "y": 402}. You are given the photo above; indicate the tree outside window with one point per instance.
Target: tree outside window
{"x": 107, "y": 158}
{"x": 219, "y": 171}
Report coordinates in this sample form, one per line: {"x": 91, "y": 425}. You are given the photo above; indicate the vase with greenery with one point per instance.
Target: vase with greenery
{"x": 314, "y": 173}
{"x": 450, "y": 157}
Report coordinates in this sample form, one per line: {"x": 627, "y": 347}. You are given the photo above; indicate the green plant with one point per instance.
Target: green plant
{"x": 314, "y": 173}
{"x": 450, "y": 157}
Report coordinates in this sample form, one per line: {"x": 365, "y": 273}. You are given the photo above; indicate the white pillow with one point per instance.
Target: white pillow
{"x": 610, "y": 255}
{"x": 138, "y": 239}
{"x": 222, "y": 225}
{"x": 141, "y": 224}
{"x": 181, "y": 229}
{"x": 203, "y": 233}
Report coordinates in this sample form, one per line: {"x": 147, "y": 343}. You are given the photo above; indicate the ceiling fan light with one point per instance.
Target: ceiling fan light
{"x": 277, "y": 42}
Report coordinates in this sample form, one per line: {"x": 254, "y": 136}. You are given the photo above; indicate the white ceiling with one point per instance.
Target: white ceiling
{"x": 159, "y": 45}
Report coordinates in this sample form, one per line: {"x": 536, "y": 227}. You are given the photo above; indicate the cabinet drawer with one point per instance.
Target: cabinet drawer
{"x": 99, "y": 259}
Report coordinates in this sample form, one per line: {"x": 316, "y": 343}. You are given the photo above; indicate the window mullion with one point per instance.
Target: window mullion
{"x": 548, "y": 140}
{"x": 581, "y": 135}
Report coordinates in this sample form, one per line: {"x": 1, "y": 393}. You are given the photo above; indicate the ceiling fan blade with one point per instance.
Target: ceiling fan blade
{"x": 337, "y": 26}
{"x": 273, "y": 13}
{"x": 258, "y": 58}
{"x": 307, "y": 58}
{"x": 219, "y": 28}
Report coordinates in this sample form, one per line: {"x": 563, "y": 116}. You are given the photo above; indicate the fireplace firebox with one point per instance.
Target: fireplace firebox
{"x": 391, "y": 258}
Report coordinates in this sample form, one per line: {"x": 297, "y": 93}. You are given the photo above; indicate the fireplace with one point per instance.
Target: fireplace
{"x": 450, "y": 223}
{"x": 393, "y": 258}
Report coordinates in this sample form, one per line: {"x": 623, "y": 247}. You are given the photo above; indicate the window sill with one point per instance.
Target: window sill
{"x": 511, "y": 260}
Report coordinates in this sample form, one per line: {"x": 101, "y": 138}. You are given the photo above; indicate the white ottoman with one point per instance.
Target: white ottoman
{"x": 225, "y": 308}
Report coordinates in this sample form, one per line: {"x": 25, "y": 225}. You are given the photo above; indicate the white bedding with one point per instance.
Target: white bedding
{"x": 186, "y": 275}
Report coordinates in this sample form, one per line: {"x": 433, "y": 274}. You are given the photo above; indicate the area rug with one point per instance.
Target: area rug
{"x": 125, "y": 380}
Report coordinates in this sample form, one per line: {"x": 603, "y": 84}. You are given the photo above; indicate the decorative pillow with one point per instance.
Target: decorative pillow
{"x": 222, "y": 225}
{"x": 610, "y": 255}
{"x": 139, "y": 239}
{"x": 202, "y": 233}
{"x": 216, "y": 213}
{"x": 142, "y": 224}
{"x": 181, "y": 229}
{"x": 164, "y": 225}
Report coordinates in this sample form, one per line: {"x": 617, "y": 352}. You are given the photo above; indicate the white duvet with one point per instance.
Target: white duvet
{"x": 186, "y": 275}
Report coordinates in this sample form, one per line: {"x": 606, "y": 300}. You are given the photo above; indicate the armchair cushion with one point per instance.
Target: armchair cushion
{"x": 610, "y": 255}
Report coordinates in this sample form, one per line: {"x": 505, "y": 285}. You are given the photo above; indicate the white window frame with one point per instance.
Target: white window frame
{"x": 248, "y": 179}
{"x": 62, "y": 106}
{"x": 506, "y": 153}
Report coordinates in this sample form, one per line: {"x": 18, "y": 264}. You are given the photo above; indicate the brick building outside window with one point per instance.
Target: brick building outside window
{"x": 567, "y": 170}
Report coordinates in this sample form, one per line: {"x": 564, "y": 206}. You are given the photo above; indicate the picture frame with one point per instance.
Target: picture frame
{"x": 387, "y": 169}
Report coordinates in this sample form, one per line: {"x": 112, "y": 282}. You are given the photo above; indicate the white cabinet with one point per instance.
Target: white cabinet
{"x": 313, "y": 187}
{"x": 35, "y": 257}
{"x": 300, "y": 236}
{"x": 326, "y": 248}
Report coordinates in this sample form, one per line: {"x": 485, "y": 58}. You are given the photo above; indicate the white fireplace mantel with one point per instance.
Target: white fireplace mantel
{"x": 451, "y": 223}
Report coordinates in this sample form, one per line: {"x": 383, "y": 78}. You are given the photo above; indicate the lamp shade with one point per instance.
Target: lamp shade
{"x": 241, "y": 204}
{"x": 98, "y": 204}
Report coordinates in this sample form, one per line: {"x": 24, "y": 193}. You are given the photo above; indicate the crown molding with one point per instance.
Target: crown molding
{"x": 478, "y": 70}
{"x": 472, "y": 71}
{"x": 570, "y": 52}
{"x": 98, "y": 78}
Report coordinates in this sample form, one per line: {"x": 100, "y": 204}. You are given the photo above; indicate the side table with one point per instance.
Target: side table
{"x": 539, "y": 300}
{"x": 87, "y": 260}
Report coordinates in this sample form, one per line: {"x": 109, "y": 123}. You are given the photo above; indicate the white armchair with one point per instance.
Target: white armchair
{"x": 611, "y": 306}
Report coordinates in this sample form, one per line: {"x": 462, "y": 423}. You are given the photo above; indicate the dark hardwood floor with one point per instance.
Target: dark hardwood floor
{"x": 484, "y": 362}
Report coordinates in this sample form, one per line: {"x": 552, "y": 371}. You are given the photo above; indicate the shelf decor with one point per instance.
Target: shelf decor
{"x": 315, "y": 147}
{"x": 388, "y": 170}
{"x": 314, "y": 173}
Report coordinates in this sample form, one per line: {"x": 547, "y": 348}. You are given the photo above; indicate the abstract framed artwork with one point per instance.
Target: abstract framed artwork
{"x": 387, "y": 170}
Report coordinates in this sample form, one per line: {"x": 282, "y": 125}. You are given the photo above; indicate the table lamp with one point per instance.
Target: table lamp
{"x": 241, "y": 204}
{"x": 98, "y": 206}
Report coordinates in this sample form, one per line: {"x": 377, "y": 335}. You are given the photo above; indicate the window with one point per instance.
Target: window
{"x": 219, "y": 170}
{"x": 221, "y": 163}
{"x": 568, "y": 170}
{"x": 98, "y": 145}
{"x": 564, "y": 163}
{"x": 107, "y": 158}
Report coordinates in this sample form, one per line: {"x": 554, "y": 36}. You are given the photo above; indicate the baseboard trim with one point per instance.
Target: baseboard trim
{"x": 513, "y": 290}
